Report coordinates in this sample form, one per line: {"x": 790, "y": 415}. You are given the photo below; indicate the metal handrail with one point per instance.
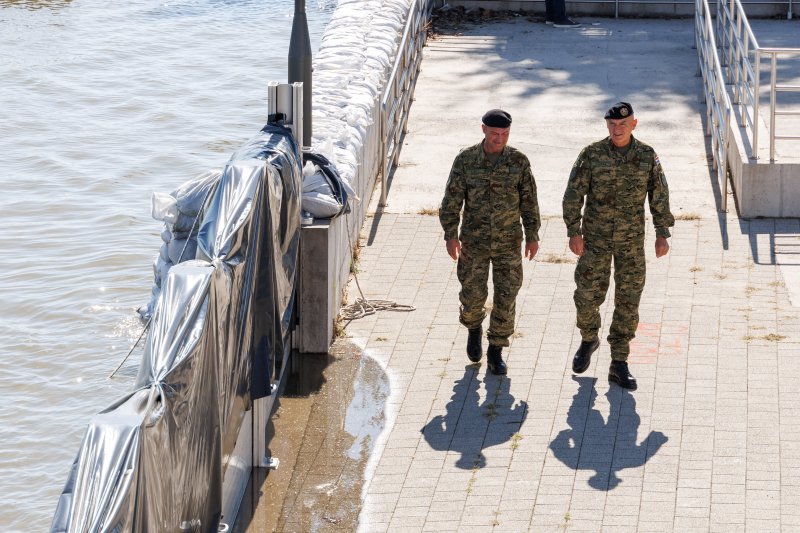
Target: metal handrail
{"x": 743, "y": 55}
{"x": 737, "y": 43}
{"x": 718, "y": 103}
{"x": 396, "y": 99}
{"x": 774, "y": 89}
{"x": 617, "y": 3}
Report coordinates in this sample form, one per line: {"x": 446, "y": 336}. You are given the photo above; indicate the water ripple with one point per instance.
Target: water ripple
{"x": 102, "y": 103}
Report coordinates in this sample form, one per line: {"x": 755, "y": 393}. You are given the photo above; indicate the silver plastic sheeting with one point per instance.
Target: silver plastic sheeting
{"x": 181, "y": 212}
{"x": 155, "y": 460}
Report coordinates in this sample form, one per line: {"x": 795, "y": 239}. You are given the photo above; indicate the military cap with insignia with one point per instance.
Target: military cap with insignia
{"x": 496, "y": 118}
{"x": 619, "y": 110}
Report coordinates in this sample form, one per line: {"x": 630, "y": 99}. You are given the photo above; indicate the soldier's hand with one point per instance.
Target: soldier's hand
{"x": 576, "y": 245}
{"x": 453, "y": 248}
{"x": 662, "y": 246}
{"x": 530, "y": 249}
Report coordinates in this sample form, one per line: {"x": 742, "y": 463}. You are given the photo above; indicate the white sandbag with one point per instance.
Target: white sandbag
{"x": 321, "y": 205}
{"x": 160, "y": 270}
{"x": 191, "y": 194}
{"x": 317, "y": 183}
{"x": 186, "y": 225}
{"x": 181, "y": 250}
{"x": 163, "y": 251}
{"x": 355, "y": 57}
{"x": 309, "y": 169}
{"x": 164, "y": 207}
{"x": 351, "y": 194}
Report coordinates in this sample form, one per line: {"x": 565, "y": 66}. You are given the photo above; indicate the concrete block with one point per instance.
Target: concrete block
{"x": 324, "y": 267}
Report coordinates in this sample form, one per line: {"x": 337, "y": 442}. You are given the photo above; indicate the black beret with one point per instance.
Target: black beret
{"x": 619, "y": 110}
{"x": 496, "y": 118}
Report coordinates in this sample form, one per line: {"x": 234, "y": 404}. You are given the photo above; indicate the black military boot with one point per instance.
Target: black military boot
{"x": 618, "y": 373}
{"x": 474, "y": 345}
{"x": 583, "y": 357}
{"x": 494, "y": 360}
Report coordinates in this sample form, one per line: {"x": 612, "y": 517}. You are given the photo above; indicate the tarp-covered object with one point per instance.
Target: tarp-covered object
{"x": 181, "y": 212}
{"x": 325, "y": 193}
{"x": 155, "y": 460}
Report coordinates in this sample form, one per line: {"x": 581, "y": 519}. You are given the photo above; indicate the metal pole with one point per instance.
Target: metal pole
{"x": 383, "y": 162}
{"x": 300, "y": 63}
{"x": 772, "y": 98}
{"x": 756, "y": 98}
{"x": 724, "y": 166}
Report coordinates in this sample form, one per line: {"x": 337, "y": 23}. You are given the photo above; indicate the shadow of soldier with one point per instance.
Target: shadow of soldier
{"x": 469, "y": 426}
{"x": 605, "y": 446}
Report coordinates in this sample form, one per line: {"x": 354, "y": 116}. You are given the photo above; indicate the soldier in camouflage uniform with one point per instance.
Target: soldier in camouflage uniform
{"x": 615, "y": 176}
{"x": 494, "y": 184}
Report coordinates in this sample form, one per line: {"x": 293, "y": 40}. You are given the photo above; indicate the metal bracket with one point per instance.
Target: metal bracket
{"x": 270, "y": 462}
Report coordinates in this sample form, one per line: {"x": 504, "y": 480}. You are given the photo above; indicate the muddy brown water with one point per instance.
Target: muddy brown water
{"x": 323, "y": 432}
{"x": 102, "y": 103}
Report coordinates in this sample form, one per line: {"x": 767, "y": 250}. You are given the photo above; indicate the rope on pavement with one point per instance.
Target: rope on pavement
{"x": 362, "y": 306}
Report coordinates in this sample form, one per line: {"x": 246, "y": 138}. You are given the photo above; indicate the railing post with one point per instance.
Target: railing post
{"x": 773, "y": 96}
{"x": 724, "y": 165}
{"x": 733, "y": 33}
{"x": 384, "y": 171}
{"x": 756, "y": 99}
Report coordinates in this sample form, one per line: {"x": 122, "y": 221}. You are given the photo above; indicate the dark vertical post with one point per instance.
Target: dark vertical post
{"x": 300, "y": 63}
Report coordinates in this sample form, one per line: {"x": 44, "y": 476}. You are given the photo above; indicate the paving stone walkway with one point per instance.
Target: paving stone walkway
{"x": 709, "y": 442}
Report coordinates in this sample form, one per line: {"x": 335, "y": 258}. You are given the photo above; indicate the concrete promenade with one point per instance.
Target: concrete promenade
{"x": 709, "y": 442}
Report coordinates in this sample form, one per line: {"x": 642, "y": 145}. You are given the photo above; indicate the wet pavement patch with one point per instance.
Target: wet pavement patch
{"x": 323, "y": 432}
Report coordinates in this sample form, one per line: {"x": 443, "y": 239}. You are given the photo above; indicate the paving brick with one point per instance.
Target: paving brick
{"x": 707, "y": 443}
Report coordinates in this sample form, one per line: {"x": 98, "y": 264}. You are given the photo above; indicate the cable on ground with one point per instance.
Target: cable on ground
{"x": 362, "y": 306}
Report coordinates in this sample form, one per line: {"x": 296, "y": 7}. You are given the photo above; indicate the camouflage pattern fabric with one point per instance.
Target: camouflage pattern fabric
{"x": 615, "y": 186}
{"x": 494, "y": 197}
{"x": 473, "y": 273}
{"x": 592, "y": 276}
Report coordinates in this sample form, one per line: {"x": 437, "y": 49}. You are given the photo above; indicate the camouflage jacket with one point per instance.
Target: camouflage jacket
{"x": 494, "y": 198}
{"x": 615, "y": 186}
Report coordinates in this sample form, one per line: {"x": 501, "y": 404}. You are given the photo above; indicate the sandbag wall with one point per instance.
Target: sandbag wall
{"x": 351, "y": 70}
{"x": 154, "y": 460}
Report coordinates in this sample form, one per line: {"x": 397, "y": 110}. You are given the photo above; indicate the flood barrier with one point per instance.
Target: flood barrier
{"x": 155, "y": 459}
{"x": 364, "y": 78}
{"x": 172, "y": 454}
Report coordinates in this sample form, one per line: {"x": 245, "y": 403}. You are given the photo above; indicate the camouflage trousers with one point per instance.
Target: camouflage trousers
{"x": 473, "y": 273}
{"x": 592, "y": 277}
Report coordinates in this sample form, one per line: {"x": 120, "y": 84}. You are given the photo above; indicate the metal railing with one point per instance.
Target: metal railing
{"x": 399, "y": 90}
{"x": 775, "y": 88}
{"x": 637, "y": 5}
{"x": 739, "y": 49}
{"x": 742, "y": 61}
{"x": 718, "y": 103}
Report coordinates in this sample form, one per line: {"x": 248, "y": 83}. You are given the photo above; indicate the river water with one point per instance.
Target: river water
{"x": 102, "y": 103}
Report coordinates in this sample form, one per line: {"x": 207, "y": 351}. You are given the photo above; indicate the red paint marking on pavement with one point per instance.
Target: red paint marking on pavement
{"x": 652, "y": 341}
{"x": 672, "y": 347}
